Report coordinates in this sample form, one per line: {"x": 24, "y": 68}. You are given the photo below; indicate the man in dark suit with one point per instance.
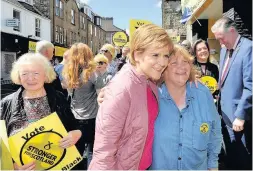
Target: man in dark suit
{"x": 235, "y": 83}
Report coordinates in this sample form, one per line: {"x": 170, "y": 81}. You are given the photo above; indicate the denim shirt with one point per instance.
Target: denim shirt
{"x": 190, "y": 138}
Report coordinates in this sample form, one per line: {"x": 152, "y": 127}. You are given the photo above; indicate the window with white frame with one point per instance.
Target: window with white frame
{"x": 70, "y": 38}
{"x": 16, "y": 15}
{"x": 90, "y": 29}
{"x": 56, "y": 34}
{"x": 61, "y": 35}
{"x": 95, "y": 31}
{"x": 81, "y": 21}
{"x": 57, "y": 7}
{"x": 37, "y": 27}
{"x": 61, "y": 9}
{"x": 72, "y": 16}
{"x": 65, "y": 37}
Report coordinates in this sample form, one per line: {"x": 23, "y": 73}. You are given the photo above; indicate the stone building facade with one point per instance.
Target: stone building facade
{"x": 70, "y": 23}
{"x": 110, "y": 28}
{"x": 171, "y": 16}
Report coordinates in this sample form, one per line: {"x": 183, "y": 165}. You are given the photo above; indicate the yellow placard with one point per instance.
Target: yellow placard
{"x": 39, "y": 142}
{"x": 59, "y": 51}
{"x": 5, "y": 155}
{"x": 119, "y": 38}
{"x": 135, "y": 24}
{"x": 175, "y": 39}
{"x": 210, "y": 82}
{"x": 32, "y": 46}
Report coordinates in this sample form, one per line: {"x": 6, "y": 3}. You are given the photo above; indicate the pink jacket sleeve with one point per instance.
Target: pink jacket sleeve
{"x": 110, "y": 122}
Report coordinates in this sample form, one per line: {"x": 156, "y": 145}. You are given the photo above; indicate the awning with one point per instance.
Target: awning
{"x": 209, "y": 9}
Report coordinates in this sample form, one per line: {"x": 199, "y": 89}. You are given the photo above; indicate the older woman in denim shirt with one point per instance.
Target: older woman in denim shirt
{"x": 188, "y": 127}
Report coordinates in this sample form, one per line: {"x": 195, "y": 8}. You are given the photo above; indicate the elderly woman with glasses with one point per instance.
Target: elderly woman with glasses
{"x": 35, "y": 100}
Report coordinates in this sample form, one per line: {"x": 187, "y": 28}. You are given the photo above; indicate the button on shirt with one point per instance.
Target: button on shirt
{"x": 190, "y": 138}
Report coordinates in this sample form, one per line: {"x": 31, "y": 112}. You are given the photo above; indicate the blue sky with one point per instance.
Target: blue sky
{"x": 124, "y": 10}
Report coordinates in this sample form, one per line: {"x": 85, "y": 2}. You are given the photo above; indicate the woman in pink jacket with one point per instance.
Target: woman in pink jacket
{"x": 125, "y": 120}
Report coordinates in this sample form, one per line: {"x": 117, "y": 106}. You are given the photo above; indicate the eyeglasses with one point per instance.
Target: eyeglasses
{"x": 101, "y": 63}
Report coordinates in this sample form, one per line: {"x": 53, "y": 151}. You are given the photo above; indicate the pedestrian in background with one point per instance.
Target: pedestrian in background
{"x": 80, "y": 78}
{"x": 46, "y": 49}
{"x": 123, "y": 58}
{"x": 110, "y": 52}
{"x": 103, "y": 77}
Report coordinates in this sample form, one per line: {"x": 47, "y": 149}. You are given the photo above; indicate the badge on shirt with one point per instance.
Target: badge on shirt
{"x": 204, "y": 128}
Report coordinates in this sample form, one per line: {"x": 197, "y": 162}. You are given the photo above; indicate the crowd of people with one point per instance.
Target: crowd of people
{"x": 142, "y": 107}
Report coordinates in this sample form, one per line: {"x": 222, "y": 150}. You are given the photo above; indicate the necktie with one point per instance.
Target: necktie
{"x": 230, "y": 53}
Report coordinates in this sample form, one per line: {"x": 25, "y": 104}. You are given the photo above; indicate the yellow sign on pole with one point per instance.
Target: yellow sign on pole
{"x": 119, "y": 38}
{"x": 32, "y": 46}
{"x": 210, "y": 82}
{"x": 39, "y": 142}
{"x": 5, "y": 155}
{"x": 135, "y": 24}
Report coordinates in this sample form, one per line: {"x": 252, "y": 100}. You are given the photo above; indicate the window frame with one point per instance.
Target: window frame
{"x": 72, "y": 16}
{"x": 57, "y": 34}
{"x": 37, "y": 29}
{"x": 17, "y": 28}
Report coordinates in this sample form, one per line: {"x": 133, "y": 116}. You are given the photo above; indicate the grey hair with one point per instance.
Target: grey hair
{"x": 223, "y": 24}
{"x": 42, "y": 45}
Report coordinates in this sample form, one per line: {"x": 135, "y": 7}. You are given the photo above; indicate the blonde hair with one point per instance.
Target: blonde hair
{"x": 80, "y": 62}
{"x": 32, "y": 58}
{"x": 101, "y": 57}
{"x": 145, "y": 36}
{"x": 110, "y": 48}
{"x": 187, "y": 56}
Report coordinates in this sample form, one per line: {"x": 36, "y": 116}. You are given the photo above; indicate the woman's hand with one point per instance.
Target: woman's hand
{"x": 101, "y": 95}
{"x": 70, "y": 139}
{"x": 29, "y": 166}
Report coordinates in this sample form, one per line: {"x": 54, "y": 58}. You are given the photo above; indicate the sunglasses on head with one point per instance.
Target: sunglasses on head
{"x": 100, "y": 63}
{"x": 104, "y": 51}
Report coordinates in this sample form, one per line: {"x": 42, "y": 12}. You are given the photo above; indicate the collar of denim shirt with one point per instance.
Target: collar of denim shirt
{"x": 164, "y": 93}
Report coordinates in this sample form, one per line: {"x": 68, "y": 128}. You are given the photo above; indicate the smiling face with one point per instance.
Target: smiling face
{"x": 202, "y": 52}
{"x": 152, "y": 61}
{"x": 178, "y": 70}
{"x": 32, "y": 76}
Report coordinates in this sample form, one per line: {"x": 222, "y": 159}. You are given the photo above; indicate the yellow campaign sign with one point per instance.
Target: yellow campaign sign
{"x": 59, "y": 51}
{"x": 210, "y": 82}
{"x": 39, "y": 142}
{"x": 135, "y": 24}
{"x": 119, "y": 38}
{"x": 175, "y": 39}
{"x": 5, "y": 155}
{"x": 32, "y": 46}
